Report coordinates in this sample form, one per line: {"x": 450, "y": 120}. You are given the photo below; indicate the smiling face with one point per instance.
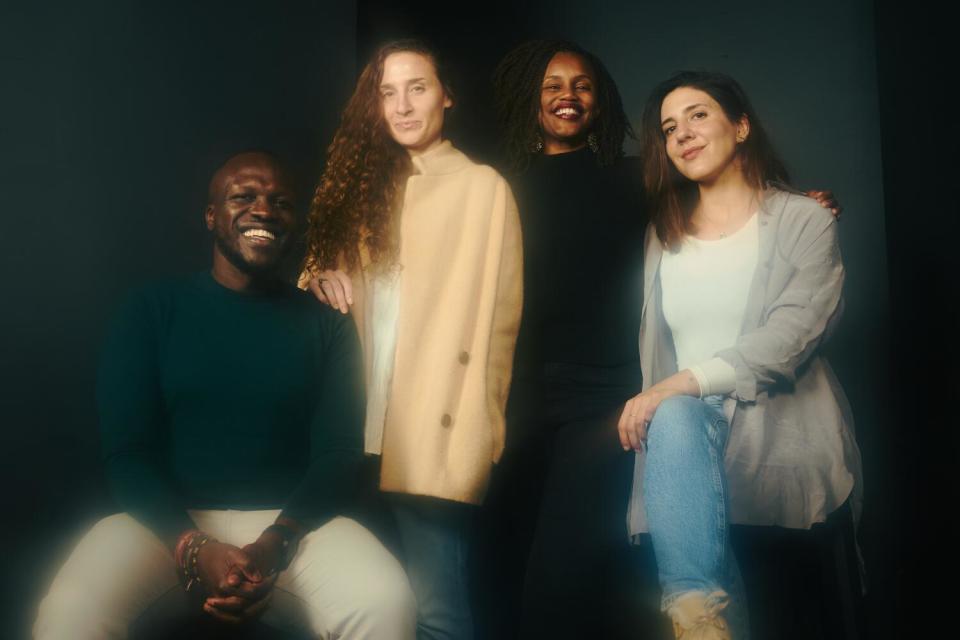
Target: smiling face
{"x": 251, "y": 213}
{"x": 568, "y": 103}
{"x": 700, "y": 139}
{"x": 413, "y": 101}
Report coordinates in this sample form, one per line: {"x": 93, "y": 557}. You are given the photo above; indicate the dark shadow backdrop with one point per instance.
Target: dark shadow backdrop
{"x": 113, "y": 113}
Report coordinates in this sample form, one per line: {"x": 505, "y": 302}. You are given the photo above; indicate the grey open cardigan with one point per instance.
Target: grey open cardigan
{"x": 791, "y": 457}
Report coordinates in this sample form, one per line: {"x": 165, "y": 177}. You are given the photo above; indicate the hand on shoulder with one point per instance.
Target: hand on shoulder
{"x": 333, "y": 288}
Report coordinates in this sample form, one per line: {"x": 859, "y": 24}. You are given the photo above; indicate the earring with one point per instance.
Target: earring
{"x": 537, "y": 145}
{"x": 592, "y": 142}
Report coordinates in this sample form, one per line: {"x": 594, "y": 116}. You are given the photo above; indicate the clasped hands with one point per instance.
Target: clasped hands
{"x": 239, "y": 581}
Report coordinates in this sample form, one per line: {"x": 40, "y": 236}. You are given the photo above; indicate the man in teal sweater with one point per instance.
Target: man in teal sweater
{"x": 231, "y": 411}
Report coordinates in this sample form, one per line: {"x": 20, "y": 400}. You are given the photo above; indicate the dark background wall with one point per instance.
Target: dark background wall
{"x": 113, "y": 115}
{"x": 917, "y": 489}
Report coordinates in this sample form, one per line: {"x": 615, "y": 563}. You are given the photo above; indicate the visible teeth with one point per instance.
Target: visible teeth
{"x": 259, "y": 233}
{"x": 566, "y": 111}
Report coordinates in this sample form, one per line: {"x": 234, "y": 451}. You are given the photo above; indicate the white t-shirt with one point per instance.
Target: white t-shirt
{"x": 705, "y": 286}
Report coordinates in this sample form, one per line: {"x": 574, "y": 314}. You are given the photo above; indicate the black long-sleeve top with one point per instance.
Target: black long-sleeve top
{"x": 583, "y": 228}
{"x": 210, "y": 398}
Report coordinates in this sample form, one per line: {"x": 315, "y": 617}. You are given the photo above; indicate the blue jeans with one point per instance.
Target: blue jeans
{"x": 684, "y": 488}
{"x": 435, "y": 536}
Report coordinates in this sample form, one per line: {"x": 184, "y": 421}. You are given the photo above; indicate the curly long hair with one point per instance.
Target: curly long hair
{"x": 672, "y": 196}
{"x": 357, "y": 197}
{"x": 517, "y": 81}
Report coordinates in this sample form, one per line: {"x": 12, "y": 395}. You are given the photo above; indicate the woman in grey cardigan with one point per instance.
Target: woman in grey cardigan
{"x": 740, "y": 418}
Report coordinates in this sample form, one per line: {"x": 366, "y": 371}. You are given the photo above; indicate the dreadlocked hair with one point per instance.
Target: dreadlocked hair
{"x": 356, "y": 198}
{"x": 517, "y": 82}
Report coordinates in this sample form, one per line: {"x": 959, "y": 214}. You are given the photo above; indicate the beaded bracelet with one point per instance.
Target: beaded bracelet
{"x": 181, "y": 547}
{"x": 186, "y": 554}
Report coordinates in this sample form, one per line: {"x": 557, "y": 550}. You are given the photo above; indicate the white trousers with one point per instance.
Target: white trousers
{"x": 341, "y": 584}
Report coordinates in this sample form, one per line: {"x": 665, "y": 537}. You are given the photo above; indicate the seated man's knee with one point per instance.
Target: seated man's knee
{"x": 354, "y": 585}
{"x": 122, "y": 532}
{"x": 390, "y": 598}
{"x": 115, "y": 570}
{"x": 385, "y": 608}
{"x": 121, "y": 545}
{"x": 116, "y": 545}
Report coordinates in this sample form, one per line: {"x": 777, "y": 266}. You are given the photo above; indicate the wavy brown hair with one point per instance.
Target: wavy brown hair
{"x": 672, "y": 196}
{"x": 359, "y": 190}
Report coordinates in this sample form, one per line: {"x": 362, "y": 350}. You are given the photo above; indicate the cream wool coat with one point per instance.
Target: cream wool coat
{"x": 460, "y": 300}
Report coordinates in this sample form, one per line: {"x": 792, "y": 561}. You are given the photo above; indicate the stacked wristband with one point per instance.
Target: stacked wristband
{"x": 186, "y": 553}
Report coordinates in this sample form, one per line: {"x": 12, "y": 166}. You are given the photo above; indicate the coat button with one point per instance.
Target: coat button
{"x": 446, "y": 420}
{"x": 464, "y": 357}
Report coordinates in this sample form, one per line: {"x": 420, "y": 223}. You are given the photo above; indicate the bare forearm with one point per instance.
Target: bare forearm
{"x": 681, "y": 383}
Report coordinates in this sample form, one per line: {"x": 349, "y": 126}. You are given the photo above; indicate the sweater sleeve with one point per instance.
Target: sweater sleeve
{"x": 803, "y": 311}
{"x": 132, "y": 421}
{"x": 336, "y": 428}
{"x": 715, "y": 376}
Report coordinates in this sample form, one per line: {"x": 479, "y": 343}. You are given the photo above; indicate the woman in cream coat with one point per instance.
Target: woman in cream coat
{"x": 423, "y": 246}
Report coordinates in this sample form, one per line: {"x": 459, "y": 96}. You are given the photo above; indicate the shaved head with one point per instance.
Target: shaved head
{"x": 251, "y": 211}
{"x": 237, "y": 163}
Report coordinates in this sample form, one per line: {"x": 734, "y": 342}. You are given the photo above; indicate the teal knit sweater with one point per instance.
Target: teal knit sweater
{"x": 214, "y": 399}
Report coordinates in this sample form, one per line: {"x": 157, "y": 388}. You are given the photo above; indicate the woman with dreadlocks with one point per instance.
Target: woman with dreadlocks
{"x": 424, "y": 246}
{"x": 563, "y": 129}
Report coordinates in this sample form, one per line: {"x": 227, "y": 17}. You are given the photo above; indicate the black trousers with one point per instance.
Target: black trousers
{"x": 555, "y": 560}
